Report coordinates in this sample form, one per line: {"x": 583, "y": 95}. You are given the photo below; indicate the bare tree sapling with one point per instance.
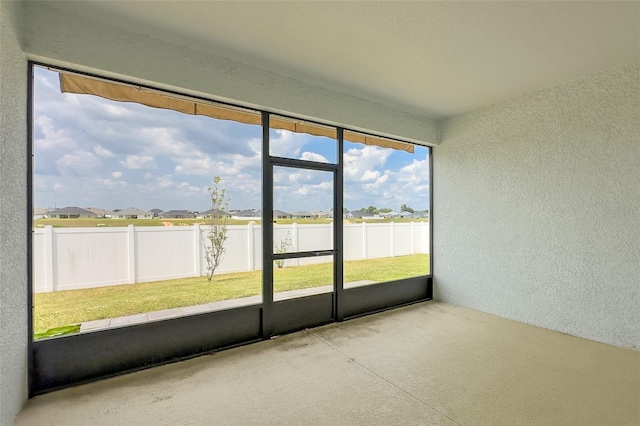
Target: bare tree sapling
{"x": 216, "y": 235}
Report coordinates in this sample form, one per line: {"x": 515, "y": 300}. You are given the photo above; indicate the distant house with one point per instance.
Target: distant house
{"x": 357, "y": 214}
{"x": 156, "y": 212}
{"x": 420, "y": 214}
{"x": 322, "y": 214}
{"x": 39, "y": 213}
{"x": 405, "y": 215}
{"x": 213, "y": 212}
{"x": 71, "y": 213}
{"x": 100, "y": 213}
{"x": 390, "y": 214}
{"x": 177, "y": 214}
{"x": 279, "y": 214}
{"x": 132, "y": 213}
{"x": 302, "y": 215}
{"x": 247, "y": 214}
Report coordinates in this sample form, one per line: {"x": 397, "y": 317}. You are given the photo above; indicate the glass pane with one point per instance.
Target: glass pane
{"x": 386, "y": 216}
{"x": 302, "y": 215}
{"x": 290, "y": 139}
{"x": 123, "y": 211}
{"x": 303, "y": 277}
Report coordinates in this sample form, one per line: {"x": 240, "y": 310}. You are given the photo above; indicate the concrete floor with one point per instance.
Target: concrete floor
{"x": 429, "y": 363}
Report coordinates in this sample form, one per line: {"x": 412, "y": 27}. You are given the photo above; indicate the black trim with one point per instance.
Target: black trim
{"x": 267, "y": 232}
{"x": 301, "y": 254}
{"x": 74, "y": 359}
{"x": 29, "y": 216}
{"x": 338, "y": 230}
{"x": 430, "y": 211}
{"x": 303, "y": 312}
{"x": 303, "y": 164}
{"x": 367, "y": 299}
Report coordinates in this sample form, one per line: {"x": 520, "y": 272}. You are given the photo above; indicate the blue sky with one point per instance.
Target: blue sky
{"x": 93, "y": 152}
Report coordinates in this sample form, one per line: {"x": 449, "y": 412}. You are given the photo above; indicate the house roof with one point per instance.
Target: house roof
{"x": 178, "y": 213}
{"x": 156, "y": 211}
{"x": 358, "y": 214}
{"x": 216, "y": 212}
{"x": 247, "y": 213}
{"x": 99, "y": 211}
{"x": 280, "y": 213}
{"x": 132, "y": 211}
{"x": 72, "y": 210}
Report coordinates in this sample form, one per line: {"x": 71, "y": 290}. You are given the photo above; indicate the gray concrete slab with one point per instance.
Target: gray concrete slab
{"x": 164, "y": 314}
{"x": 429, "y": 363}
{"x": 95, "y": 325}
{"x": 131, "y": 319}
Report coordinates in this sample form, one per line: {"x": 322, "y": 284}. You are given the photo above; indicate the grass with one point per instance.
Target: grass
{"x": 121, "y": 223}
{"x": 74, "y": 306}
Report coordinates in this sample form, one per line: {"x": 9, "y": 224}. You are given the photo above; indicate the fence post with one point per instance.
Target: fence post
{"x": 364, "y": 240}
{"x": 296, "y": 241}
{"x": 413, "y": 238}
{"x": 131, "y": 238}
{"x": 49, "y": 278}
{"x": 424, "y": 239}
{"x": 250, "y": 246}
{"x": 197, "y": 250}
{"x": 392, "y": 231}
{"x": 331, "y": 237}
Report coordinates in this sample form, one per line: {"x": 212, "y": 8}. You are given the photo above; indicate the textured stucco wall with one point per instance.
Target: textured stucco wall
{"x": 13, "y": 208}
{"x": 60, "y": 38}
{"x": 537, "y": 208}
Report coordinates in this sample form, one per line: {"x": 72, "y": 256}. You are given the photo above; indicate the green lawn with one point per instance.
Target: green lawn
{"x": 74, "y": 306}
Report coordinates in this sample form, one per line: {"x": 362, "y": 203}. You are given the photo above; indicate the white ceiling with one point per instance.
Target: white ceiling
{"x": 435, "y": 59}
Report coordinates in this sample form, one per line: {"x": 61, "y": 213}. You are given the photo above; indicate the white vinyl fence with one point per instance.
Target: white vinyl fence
{"x": 74, "y": 258}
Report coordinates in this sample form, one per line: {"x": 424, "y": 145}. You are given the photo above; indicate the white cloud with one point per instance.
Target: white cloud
{"x": 78, "y": 163}
{"x": 53, "y": 139}
{"x": 198, "y": 164}
{"x": 286, "y": 144}
{"x": 357, "y": 162}
{"x": 116, "y": 174}
{"x": 139, "y": 162}
{"x": 370, "y": 175}
{"x": 312, "y": 156}
{"x": 108, "y": 183}
{"x": 103, "y": 152}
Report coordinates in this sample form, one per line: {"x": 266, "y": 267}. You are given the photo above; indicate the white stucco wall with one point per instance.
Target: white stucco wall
{"x": 537, "y": 208}
{"x": 60, "y": 38}
{"x": 13, "y": 209}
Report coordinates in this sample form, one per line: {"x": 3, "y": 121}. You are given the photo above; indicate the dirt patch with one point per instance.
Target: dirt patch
{"x": 167, "y": 223}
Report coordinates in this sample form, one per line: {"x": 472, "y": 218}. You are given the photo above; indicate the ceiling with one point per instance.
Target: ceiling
{"x": 435, "y": 59}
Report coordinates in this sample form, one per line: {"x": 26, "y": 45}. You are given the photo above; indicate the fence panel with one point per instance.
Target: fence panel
{"x": 164, "y": 253}
{"x": 86, "y": 257}
{"x": 74, "y": 258}
{"x": 378, "y": 240}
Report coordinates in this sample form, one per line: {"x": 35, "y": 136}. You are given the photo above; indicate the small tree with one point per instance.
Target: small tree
{"x": 370, "y": 210}
{"x": 283, "y": 247}
{"x": 406, "y": 208}
{"x": 216, "y": 235}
